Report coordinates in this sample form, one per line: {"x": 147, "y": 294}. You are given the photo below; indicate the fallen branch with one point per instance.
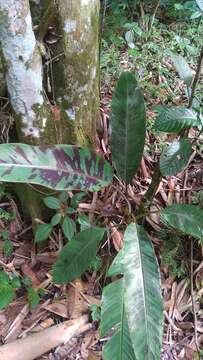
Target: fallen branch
{"x": 37, "y": 344}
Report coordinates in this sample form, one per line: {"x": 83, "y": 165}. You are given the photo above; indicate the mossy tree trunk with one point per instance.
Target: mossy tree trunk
{"x": 74, "y": 112}
{"x": 76, "y": 75}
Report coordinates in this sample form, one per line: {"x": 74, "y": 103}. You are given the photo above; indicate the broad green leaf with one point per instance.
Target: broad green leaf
{"x": 52, "y": 203}
{"x": 175, "y": 118}
{"x": 15, "y": 282}
{"x": 4, "y": 278}
{"x": 68, "y": 227}
{"x": 185, "y": 218}
{"x": 127, "y": 120}
{"x": 59, "y": 167}
{"x": 200, "y": 4}
{"x": 142, "y": 296}
{"x": 43, "y": 231}
{"x": 6, "y": 294}
{"x": 77, "y": 255}
{"x": 113, "y": 317}
{"x": 175, "y": 157}
{"x": 55, "y": 220}
{"x": 182, "y": 68}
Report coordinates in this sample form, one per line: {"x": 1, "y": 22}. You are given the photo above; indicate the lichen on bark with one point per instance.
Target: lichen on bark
{"x": 76, "y": 74}
{"x": 23, "y": 69}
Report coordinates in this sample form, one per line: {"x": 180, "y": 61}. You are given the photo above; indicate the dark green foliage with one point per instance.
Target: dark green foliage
{"x": 174, "y": 119}
{"x": 127, "y": 120}
{"x": 68, "y": 227}
{"x": 175, "y": 157}
{"x": 77, "y": 255}
{"x": 187, "y": 219}
{"x": 42, "y": 233}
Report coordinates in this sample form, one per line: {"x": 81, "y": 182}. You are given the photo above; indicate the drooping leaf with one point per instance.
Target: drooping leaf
{"x": 142, "y": 296}
{"x": 127, "y": 119}
{"x": 77, "y": 255}
{"x": 175, "y": 157}
{"x": 68, "y": 227}
{"x": 185, "y": 218}
{"x": 113, "y": 316}
{"x": 59, "y": 167}
{"x": 42, "y": 233}
{"x": 200, "y": 4}
{"x": 182, "y": 68}
{"x": 52, "y": 203}
{"x": 175, "y": 118}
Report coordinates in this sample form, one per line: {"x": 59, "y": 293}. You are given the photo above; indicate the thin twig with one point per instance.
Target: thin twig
{"x": 196, "y": 78}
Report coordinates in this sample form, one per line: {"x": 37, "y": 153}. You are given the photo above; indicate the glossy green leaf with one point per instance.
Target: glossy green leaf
{"x": 52, "y": 203}
{"x": 60, "y": 167}
{"x": 185, "y": 218}
{"x": 55, "y": 220}
{"x": 175, "y": 118}
{"x": 127, "y": 120}
{"x": 175, "y": 157}
{"x": 182, "y": 68}
{"x": 42, "y": 233}
{"x": 142, "y": 297}
{"x": 68, "y": 227}
{"x": 113, "y": 316}
{"x": 77, "y": 255}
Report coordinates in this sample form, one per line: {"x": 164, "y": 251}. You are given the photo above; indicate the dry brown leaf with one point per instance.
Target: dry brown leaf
{"x": 117, "y": 238}
{"x": 76, "y": 305}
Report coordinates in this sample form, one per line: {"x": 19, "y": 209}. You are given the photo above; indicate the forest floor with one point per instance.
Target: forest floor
{"x": 39, "y": 303}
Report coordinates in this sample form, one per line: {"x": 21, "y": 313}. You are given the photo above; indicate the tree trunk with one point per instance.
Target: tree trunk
{"x": 76, "y": 74}
{"x": 22, "y": 61}
{"x": 74, "y": 112}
